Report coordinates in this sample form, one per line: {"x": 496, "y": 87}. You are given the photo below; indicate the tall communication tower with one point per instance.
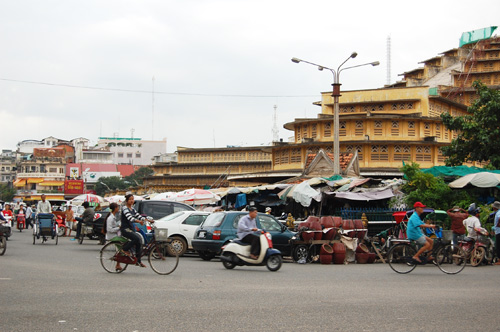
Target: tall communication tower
{"x": 276, "y": 135}
{"x": 388, "y": 81}
{"x": 153, "y": 111}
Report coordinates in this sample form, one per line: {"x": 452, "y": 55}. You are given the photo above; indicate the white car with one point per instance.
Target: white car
{"x": 181, "y": 228}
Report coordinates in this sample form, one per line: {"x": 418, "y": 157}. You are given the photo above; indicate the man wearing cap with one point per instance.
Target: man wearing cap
{"x": 496, "y": 228}
{"x": 414, "y": 232}
{"x": 457, "y": 216}
{"x": 246, "y": 226}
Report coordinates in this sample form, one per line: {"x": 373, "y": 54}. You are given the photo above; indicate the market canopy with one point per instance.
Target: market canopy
{"x": 480, "y": 180}
{"x": 455, "y": 170}
{"x": 363, "y": 196}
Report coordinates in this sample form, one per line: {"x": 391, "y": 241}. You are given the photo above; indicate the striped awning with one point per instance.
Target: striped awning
{"x": 35, "y": 180}
{"x": 52, "y": 183}
{"x": 20, "y": 183}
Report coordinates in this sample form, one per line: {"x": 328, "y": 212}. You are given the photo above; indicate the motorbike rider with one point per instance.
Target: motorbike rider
{"x": 414, "y": 232}
{"x": 87, "y": 217}
{"x": 472, "y": 222}
{"x": 128, "y": 218}
{"x": 7, "y": 212}
{"x": 246, "y": 226}
{"x": 29, "y": 212}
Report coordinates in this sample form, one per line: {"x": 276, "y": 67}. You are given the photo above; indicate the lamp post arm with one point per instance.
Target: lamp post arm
{"x": 376, "y": 63}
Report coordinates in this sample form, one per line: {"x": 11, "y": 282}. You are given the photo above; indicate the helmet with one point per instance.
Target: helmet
{"x": 473, "y": 210}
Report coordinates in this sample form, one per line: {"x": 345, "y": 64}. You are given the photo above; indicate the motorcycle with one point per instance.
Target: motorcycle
{"x": 478, "y": 250}
{"x": 94, "y": 230}
{"x": 8, "y": 227}
{"x": 21, "y": 222}
{"x": 3, "y": 238}
{"x": 238, "y": 253}
{"x": 61, "y": 226}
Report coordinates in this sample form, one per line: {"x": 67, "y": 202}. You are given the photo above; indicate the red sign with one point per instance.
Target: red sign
{"x": 73, "y": 187}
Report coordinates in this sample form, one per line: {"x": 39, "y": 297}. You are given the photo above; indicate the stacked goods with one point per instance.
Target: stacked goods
{"x": 337, "y": 222}
{"x": 360, "y": 229}
{"x": 329, "y": 234}
{"x": 348, "y": 224}
{"x": 327, "y": 221}
{"x": 307, "y": 236}
{"x": 316, "y": 226}
{"x": 338, "y": 253}
{"x": 363, "y": 255}
{"x": 325, "y": 254}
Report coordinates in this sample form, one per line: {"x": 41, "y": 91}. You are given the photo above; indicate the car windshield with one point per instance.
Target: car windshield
{"x": 269, "y": 224}
{"x": 214, "y": 220}
{"x": 172, "y": 216}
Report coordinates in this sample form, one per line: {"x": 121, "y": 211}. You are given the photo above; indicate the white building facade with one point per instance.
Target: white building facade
{"x": 132, "y": 151}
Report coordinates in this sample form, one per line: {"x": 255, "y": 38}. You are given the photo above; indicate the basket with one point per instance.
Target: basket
{"x": 447, "y": 235}
{"x": 4, "y": 229}
{"x": 161, "y": 234}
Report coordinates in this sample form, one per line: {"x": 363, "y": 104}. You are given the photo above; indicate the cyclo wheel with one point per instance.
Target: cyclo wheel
{"x": 400, "y": 258}
{"x": 163, "y": 258}
{"x": 451, "y": 259}
{"x": 107, "y": 256}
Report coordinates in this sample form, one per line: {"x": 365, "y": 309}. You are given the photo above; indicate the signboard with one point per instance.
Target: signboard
{"x": 73, "y": 187}
{"x": 74, "y": 172}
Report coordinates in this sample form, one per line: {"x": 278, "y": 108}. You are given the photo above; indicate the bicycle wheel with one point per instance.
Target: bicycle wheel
{"x": 477, "y": 256}
{"x": 160, "y": 260}
{"x": 107, "y": 256}
{"x": 400, "y": 258}
{"x": 451, "y": 259}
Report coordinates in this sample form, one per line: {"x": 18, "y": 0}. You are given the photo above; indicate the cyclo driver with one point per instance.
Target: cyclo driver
{"x": 414, "y": 232}
{"x": 129, "y": 216}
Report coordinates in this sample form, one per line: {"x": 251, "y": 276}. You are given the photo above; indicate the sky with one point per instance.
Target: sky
{"x": 204, "y": 73}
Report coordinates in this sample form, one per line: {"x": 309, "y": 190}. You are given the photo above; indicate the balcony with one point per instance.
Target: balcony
{"x": 40, "y": 175}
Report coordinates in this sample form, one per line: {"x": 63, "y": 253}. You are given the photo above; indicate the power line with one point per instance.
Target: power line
{"x": 155, "y": 92}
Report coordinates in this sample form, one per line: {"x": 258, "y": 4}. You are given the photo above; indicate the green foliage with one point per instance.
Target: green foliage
{"x": 478, "y": 132}
{"x": 109, "y": 183}
{"x": 6, "y": 193}
{"x": 137, "y": 177}
{"x": 430, "y": 190}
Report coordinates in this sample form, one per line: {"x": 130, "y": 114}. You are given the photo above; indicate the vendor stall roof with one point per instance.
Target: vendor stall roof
{"x": 363, "y": 196}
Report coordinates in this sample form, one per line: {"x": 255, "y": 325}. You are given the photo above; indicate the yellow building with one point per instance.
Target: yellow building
{"x": 207, "y": 167}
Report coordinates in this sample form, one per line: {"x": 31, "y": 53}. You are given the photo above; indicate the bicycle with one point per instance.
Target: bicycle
{"x": 449, "y": 258}
{"x": 162, "y": 257}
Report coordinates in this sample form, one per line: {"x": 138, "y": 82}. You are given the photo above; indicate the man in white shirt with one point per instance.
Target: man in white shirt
{"x": 43, "y": 206}
{"x": 472, "y": 221}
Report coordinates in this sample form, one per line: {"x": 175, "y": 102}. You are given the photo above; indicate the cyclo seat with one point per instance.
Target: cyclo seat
{"x": 241, "y": 243}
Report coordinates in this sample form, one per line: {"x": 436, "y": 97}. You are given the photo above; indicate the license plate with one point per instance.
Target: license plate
{"x": 202, "y": 235}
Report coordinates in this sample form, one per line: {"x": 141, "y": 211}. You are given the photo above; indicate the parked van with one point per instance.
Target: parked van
{"x": 160, "y": 209}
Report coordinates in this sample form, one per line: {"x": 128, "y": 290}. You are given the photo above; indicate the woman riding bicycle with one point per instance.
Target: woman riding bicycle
{"x": 127, "y": 228}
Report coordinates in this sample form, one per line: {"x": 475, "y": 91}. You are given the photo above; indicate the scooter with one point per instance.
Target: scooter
{"x": 8, "y": 232}
{"x": 238, "y": 253}
{"x": 480, "y": 250}
{"x": 21, "y": 222}
{"x": 61, "y": 226}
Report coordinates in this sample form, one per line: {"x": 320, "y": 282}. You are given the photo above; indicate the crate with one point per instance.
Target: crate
{"x": 447, "y": 235}
{"x": 161, "y": 234}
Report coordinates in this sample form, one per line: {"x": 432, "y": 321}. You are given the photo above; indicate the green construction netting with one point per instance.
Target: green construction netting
{"x": 476, "y": 35}
{"x": 456, "y": 170}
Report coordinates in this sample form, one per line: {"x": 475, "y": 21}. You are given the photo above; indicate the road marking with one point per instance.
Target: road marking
{"x": 5, "y": 278}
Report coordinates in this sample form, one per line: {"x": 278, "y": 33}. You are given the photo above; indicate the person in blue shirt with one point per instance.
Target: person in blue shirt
{"x": 246, "y": 228}
{"x": 496, "y": 227}
{"x": 414, "y": 232}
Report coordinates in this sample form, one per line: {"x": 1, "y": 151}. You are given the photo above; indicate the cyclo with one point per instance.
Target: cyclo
{"x": 162, "y": 257}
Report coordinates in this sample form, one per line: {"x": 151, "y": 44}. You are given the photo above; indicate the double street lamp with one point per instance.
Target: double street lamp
{"x": 336, "y": 95}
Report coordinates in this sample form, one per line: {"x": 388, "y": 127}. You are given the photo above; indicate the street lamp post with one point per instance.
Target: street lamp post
{"x": 336, "y": 107}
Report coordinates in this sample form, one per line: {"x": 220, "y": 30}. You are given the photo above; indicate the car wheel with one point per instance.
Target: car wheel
{"x": 206, "y": 255}
{"x": 178, "y": 244}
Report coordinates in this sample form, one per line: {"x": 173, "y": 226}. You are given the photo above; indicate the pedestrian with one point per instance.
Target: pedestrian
{"x": 268, "y": 210}
{"x": 112, "y": 227}
{"x": 29, "y": 217}
{"x": 496, "y": 228}
{"x": 70, "y": 219}
{"x": 457, "y": 216}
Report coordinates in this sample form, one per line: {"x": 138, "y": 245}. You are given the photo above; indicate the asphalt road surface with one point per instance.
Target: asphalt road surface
{"x": 48, "y": 287}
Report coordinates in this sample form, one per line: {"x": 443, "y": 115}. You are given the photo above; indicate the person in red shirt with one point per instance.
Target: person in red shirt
{"x": 457, "y": 216}
{"x": 7, "y": 213}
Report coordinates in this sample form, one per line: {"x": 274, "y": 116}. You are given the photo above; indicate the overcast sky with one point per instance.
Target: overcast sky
{"x": 85, "y": 68}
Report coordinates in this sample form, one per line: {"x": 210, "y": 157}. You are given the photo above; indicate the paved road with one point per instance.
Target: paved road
{"x": 64, "y": 288}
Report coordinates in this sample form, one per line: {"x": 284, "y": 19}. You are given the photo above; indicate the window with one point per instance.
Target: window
{"x": 402, "y": 152}
{"x": 358, "y": 131}
{"x": 138, "y": 155}
{"x": 268, "y": 223}
{"x": 395, "y": 128}
{"x": 328, "y": 129}
{"x": 195, "y": 219}
{"x": 120, "y": 154}
{"x": 380, "y": 153}
{"x": 378, "y": 130}
{"x": 342, "y": 128}
{"x": 129, "y": 155}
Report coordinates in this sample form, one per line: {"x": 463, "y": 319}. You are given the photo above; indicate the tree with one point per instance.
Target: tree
{"x": 430, "y": 190}
{"x": 136, "y": 178}
{"x": 478, "y": 132}
{"x": 109, "y": 183}
{"x": 6, "y": 193}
